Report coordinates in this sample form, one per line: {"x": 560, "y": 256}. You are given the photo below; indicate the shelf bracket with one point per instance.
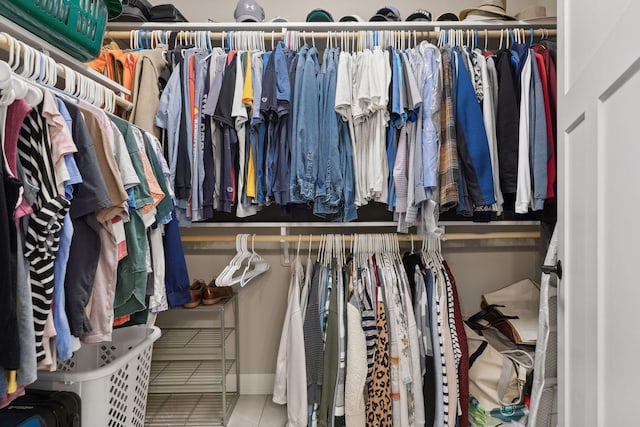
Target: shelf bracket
{"x": 284, "y": 244}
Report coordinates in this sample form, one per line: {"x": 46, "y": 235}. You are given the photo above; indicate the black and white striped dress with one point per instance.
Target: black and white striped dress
{"x": 49, "y": 209}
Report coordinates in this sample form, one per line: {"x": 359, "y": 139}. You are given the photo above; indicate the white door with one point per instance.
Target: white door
{"x": 599, "y": 213}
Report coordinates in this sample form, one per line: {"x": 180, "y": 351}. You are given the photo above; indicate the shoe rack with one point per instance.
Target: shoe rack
{"x": 195, "y": 375}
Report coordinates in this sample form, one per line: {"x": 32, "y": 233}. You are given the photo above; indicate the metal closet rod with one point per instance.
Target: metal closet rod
{"x": 363, "y": 224}
{"x": 291, "y": 238}
{"x": 493, "y": 34}
{"x": 5, "y": 44}
{"x": 122, "y": 31}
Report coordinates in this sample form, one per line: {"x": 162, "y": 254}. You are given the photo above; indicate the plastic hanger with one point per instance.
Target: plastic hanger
{"x": 242, "y": 253}
{"x": 232, "y": 263}
{"x": 255, "y": 266}
{"x": 531, "y": 39}
{"x": 486, "y": 39}
{"x": 69, "y": 79}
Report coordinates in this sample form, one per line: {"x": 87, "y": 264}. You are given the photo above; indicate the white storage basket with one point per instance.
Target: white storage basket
{"x": 111, "y": 378}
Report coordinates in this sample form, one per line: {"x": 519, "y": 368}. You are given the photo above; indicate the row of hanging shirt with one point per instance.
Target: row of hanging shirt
{"x": 336, "y": 130}
{"x": 374, "y": 338}
{"x": 86, "y": 223}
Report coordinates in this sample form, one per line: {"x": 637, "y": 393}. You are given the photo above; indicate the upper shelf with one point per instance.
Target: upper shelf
{"x": 322, "y": 26}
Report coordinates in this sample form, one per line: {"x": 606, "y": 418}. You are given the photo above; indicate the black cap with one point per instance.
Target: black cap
{"x": 420, "y": 15}
{"x": 388, "y": 13}
{"x": 448, "y": 16}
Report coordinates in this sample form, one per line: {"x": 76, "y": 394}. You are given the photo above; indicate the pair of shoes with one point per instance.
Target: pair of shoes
{"x": 213, "y": 294}
{"x": 197, "y": 289}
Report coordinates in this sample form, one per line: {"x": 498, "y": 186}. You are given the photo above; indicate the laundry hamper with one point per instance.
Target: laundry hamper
{"x": 111, "y": 378}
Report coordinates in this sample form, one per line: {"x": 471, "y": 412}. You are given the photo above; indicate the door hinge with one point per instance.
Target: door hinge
{"x": 553, "y": 269}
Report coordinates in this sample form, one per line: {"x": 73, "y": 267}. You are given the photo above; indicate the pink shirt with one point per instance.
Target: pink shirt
{"x": 16, "y": 113}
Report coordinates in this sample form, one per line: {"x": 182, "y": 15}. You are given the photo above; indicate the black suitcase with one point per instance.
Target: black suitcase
{"x": 166, "y": 13}
{"x": 54, "y": 408}
{"x": 8, "y": 419}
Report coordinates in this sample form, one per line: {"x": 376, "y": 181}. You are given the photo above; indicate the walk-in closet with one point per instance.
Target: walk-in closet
{"x": 341, "y": 214}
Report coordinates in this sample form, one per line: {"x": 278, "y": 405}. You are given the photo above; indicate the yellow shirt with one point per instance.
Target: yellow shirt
{"x": 247, "y": 99}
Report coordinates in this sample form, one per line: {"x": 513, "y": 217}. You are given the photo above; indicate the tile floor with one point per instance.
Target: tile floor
{"x": 258, "y": 411}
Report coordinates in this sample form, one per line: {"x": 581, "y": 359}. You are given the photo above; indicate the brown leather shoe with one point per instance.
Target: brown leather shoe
{"x": 213, "y": 294}
{"x": 196, "y": 288}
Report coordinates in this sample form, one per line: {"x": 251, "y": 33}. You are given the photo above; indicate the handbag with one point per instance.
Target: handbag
{"x": 514, "y": 311}
{"x": 498, "y": 372}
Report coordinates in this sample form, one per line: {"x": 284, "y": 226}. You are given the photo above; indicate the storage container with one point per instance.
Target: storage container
{"x": 112, "y": 379}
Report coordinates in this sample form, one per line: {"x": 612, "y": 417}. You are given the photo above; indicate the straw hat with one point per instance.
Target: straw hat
{"x": 489, "y": 9}
{"x": 535, "y": 14}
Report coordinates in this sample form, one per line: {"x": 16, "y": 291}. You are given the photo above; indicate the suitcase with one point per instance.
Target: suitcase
{"x": 166, "y": 13}
{"x": 42, "y": 408}
{"x": 21, "y": 420}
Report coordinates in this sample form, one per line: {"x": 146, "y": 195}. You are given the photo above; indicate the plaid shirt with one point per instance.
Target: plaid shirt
{"x": 448, "y": 149}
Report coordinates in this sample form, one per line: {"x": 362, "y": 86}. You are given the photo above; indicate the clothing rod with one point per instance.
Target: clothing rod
{"x": 20, "y": 34}
{"x": 228, "y": 238}
{"x": 363, "y": 224}
{"x": 494, "y": 34}
{"x": 5, "y": 44}
{"x": 323, "y": 26}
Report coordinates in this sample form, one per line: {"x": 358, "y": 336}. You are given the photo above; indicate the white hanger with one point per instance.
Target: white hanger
{"x": 69, "y": 79}
{"x": 27, "y": 63}
{"x": 232, "y": 262}
{"x": 14, "y": 53}
{"x": 258, "y": 263}
{"x": 228, "y": 279}
{"x": 6, "y": 84}
{"x": 132, "y": 34}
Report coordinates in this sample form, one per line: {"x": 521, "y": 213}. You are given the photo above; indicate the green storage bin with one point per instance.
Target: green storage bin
{"x": 74, "y": 26}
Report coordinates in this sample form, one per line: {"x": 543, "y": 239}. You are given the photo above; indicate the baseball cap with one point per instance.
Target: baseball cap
{"x": 351, "y": 18}
{"x": 114, "y": 7}
{"x": 420, "y": 15}
{"x": 448, "y": 16}
{"x": 387, "y": 13}
{"x": 319, "y": 15}
{"x": 248, "y": 11}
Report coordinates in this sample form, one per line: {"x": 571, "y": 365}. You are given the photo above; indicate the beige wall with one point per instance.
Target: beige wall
{"x": 222, "y": 11}
{"x": 262, "y": 303}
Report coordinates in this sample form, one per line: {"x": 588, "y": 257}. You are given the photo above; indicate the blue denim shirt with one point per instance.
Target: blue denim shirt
{"x": 329, "y": 180}
{"x": 294, "y": 185}
{"x": 306, "y": 134}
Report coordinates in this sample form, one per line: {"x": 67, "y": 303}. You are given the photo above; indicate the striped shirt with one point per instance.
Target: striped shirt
{"x": 42, "y": 236}
{"x": 368, "y": 320}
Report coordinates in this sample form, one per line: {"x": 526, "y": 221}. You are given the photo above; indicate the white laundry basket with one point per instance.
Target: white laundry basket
{"x": 111, "y": 378}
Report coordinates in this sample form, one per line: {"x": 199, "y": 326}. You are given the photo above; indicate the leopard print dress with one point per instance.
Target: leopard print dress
{"x": 379, "y": 405}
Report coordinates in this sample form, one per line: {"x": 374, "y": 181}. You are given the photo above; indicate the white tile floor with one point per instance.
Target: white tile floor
{"x": 258, "y": 411}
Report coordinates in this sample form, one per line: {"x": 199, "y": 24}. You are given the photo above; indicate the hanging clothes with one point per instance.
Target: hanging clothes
{"x": 290, "y": 386}
{"x": 82, "y": 179}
